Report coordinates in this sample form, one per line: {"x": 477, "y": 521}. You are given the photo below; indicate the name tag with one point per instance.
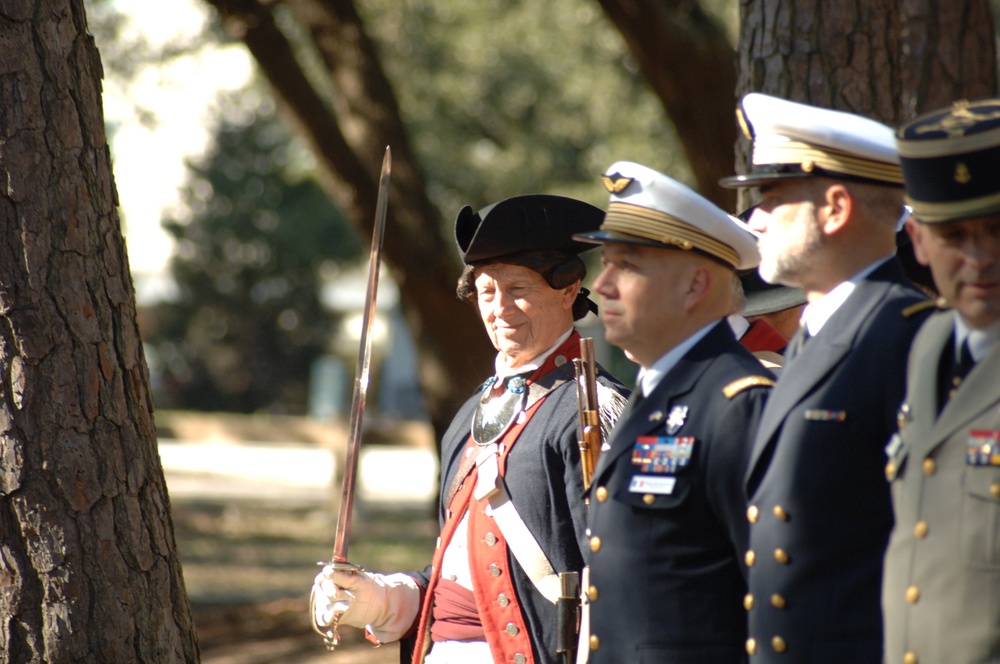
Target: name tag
{"x": 984, "y": 448}
{"x": 652, "y": 484}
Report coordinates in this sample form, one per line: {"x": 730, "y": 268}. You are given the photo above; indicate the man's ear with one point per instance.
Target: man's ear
{"x": 699, "y": 285}
{"x": 837, "y": 207}
{"x": 918, "y": 239}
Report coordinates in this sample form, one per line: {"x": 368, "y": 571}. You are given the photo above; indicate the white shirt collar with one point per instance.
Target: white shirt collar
{"x": 981, "y": 342}
{"x": 816, "y": 314}
{"x": 739, "y": 324}
{"x": 503, "y": 371}
{"x": 651, "y": 377}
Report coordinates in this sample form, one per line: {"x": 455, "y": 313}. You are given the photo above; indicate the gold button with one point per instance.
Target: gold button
{"x": 890, "y": 470}
{"x": 520, "y": 659}
{"x": 780, "y": 513}
{"x": 910, "y": 658}
{"x": 930, "y": 466}
{"x": 920, "y": 530}
{"x": 511, "y": 629}
{"x": 749, "y": 558}
{"x": 995, "y": 489}
{"x": 778, "y": 644}
{"x": 502, "y": 600}
{"x": 751, "y": 646}
{"x": 601, "y": 493}
{"x": 592, "y": 593}
{"x": 748, "y": 601}
{"x": 752, "y": 513}
{"x": 781, "y": 556}
{"x": 649, "y": 499}
{"x": 494, "y": 569}
{"x": 595, "y": 543}
{"x": 777, "y": 601}
{"x": 491, "y": 539}
{"x": 595, "y": 642}
{"x": 912, "y": 594}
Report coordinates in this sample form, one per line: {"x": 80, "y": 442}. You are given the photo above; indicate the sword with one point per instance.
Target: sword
{"x": 339, "y": 561}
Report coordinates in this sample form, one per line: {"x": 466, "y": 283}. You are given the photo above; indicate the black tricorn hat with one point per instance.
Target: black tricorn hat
{"x": 524, "y": 223}
{"x": 949, "y": 159}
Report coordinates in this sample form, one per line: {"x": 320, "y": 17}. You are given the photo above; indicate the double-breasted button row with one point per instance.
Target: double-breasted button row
{"x": 753, "y": 513}
{"x": 777, "y": 601}
{"x": 777, "y": 645}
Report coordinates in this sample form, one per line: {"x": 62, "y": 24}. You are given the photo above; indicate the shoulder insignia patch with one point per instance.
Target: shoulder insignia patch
{"x": 923, "y": 305}
{"x": 744, "y": 383}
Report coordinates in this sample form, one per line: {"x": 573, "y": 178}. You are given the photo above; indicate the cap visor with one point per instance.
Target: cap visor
{"x": 602, "y": 237}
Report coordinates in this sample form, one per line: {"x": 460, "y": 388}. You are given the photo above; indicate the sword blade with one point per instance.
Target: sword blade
{"x": 361, "y": 375}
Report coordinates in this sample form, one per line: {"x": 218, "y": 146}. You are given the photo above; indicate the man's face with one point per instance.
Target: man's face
{"x": 642, "y": 297}
{"x": 964, "y": 257}
{"x": 522, "y": 313}
{"x": 789, "y": 232}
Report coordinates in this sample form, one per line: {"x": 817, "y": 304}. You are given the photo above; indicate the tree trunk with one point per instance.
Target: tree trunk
{"x": 691, "y": 66}
{"x": 886, "y": 59}
{"x": 348, "y": 129}
{"x": 88, "y": 566}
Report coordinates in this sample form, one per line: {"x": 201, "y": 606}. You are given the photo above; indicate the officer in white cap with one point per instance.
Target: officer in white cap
{"x": 666, "y": 525}
{"x": 819, "y": 513}
{"x": 942, "y": 569}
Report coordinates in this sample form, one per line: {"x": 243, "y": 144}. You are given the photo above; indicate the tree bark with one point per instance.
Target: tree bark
{"x": 88, "y": 566}
{"x": 886, "y": 59}
{"x": 348, "y": 126}
{"x": 691, "y": 66}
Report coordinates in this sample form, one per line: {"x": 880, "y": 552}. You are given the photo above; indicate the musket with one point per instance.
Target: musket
{"x": 341, "y": 539}
{"x": 588, "y": 408}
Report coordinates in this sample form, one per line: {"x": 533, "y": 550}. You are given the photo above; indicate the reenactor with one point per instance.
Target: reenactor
{"x": 830, "y": 190}
{"x": 942, "y": 570}
{"x": 512, "y": 507}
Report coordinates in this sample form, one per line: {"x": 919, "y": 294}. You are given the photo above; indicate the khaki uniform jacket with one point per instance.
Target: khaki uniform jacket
{"x": 941, "y": 595}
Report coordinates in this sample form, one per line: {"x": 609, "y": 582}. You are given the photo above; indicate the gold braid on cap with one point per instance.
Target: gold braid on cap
{"x": 661, "y": 227}
{"x": 811, "y": 156}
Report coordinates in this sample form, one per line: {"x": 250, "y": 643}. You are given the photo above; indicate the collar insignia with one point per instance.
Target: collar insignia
{"x": 675, "y": 420}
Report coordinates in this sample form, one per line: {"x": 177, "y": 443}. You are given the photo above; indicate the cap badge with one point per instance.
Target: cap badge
{"x": 675, "y": 420}
{"x": 808, "y": 166}
{"x": 959, "y": 120}
{"x": 616, "y": 182}
{"x": 962, "y": 174}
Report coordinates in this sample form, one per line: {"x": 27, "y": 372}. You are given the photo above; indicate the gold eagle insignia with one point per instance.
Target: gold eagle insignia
{"x": 616, "y": 182}
{"x": 962, "y": 174}
{"x": 744, "y": 383}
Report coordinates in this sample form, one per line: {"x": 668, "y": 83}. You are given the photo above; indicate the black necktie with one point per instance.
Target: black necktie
{"x": 797, "y": 342}
{"x": 955, "y": 373}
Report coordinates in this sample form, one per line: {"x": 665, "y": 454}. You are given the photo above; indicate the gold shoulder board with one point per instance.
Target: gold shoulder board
{"x": 741, "y": 384}
{"x": 922, "y": 306}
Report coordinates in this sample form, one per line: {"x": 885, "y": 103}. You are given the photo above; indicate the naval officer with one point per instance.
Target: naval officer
{"x": 942, "y": 570}
{"x": 666, "y": 525}
{"x": 830, "y": 189}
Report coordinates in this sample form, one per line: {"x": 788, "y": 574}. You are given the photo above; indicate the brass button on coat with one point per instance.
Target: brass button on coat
{"x": 912, "y": 594}
{"x": 511, "y": 629}
{"x": 890, "y": 470}
{"x": 777, "y": 601}
{"x": 781, "y": 556}
{"x": 780, "y": 513}
{"x": 995, "y": 490}
{"x": 751, "y": 646}
{"x": 749, "y": 558}
{"x": 592, "y": 593}
{"x": 752, "y": 513}
{"x": 920, "y": 530}
{"x": 649, "y": 499}
{"x": 930, "y": 466}
{"x": 494, "y": 570}
{"x": 595, "y": 642}
{"x": 748, "y": 601}
{"x": 910, "y": 658}
{"x": 778, "y": 644}
{"x": 595, "y": 543}
{"x": 502, "y": 600}
{"x": 491, "y": 539}
{"x": 520, "y": 659}
{"x": 601, "y": 493}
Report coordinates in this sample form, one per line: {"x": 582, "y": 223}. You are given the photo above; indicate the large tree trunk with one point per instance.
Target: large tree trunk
{"x": 691, "y": 66}
{"x": 885, "y": 59}
{"x": 88, "y": 567}
{"x": 348, "y": 128}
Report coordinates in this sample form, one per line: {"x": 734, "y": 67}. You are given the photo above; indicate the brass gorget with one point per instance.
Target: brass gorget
{"x": 498, "y": 408}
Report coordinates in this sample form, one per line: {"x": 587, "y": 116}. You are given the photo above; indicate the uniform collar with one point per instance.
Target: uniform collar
{"x": 981, "y": 342}
{"x": 815, "y": 314}
{"x": 651, "y": 377}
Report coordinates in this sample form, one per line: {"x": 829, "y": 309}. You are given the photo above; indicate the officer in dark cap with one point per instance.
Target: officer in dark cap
{"x": 512, "y": 507}
{"x": 666, "y": 522}
{"x": 942, "y": 569}
{"x": 830, "y": 194}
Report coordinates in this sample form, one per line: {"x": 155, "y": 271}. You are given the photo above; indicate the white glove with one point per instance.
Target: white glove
{"x": 385, "y": 605}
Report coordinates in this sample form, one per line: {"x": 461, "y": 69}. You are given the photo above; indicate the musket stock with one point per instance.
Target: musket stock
{"x": 588, "y": 408}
